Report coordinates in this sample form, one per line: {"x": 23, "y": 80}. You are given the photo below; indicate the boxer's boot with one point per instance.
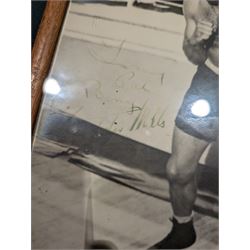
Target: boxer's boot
{"x": 181, "y": 236}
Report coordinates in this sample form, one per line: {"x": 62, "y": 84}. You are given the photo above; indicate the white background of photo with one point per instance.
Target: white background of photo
{"x": 16, "y": 125}
{"x": 103, "y": 46}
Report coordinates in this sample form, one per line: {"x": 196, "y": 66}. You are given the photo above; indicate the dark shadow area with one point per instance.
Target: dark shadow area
{"x": 37, "y": 9}
{"x": 160, "y": 6}
{"x": 106, "y": 2}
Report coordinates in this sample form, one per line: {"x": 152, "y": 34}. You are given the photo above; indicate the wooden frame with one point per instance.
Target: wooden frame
{"x": 44, "y": 49}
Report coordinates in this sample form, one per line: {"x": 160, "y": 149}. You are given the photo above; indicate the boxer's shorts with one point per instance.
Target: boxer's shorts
{"x": 204, "y": 86}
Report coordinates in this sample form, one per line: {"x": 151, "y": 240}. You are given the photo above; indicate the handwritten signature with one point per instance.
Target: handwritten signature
{"x": 143, "y": 118}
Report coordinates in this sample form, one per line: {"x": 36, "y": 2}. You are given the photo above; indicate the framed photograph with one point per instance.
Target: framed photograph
{"x": 125, "y": 150}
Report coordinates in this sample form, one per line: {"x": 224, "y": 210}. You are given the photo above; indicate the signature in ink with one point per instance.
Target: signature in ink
{"x": 144, "y": 119}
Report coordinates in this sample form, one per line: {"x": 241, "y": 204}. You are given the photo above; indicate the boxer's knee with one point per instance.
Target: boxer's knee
{"x": 180, "y": 171}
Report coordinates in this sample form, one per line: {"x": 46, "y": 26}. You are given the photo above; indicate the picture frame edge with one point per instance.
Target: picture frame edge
{"x": 44, "y": 49}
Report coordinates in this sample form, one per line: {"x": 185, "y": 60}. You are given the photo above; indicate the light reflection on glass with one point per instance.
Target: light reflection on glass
{"x": 200, "y": 108}
{"x": 51, "y": 86}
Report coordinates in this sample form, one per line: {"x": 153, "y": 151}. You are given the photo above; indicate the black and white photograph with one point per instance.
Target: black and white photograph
{"x": 125, "y": 152}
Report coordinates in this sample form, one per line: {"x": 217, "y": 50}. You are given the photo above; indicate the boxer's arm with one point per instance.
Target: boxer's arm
{"x": 194, "y": 49}
{"x": 195, "y": 33}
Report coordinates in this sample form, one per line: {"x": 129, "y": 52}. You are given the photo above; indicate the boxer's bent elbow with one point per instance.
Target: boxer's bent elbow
{"x": 195, "y": 53}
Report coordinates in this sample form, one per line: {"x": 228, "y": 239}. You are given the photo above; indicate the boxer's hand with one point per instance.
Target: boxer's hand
{"x": 204, "y": 30}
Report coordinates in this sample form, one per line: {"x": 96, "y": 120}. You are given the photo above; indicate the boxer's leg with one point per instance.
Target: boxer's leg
{"x": 181, "y": 171}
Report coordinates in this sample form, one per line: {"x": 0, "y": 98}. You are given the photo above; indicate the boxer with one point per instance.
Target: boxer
{"x": 193, "y": 131}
